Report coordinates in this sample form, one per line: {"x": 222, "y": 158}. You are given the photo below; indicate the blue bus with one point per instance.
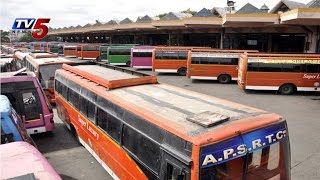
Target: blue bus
{"x": 12, "y": 127}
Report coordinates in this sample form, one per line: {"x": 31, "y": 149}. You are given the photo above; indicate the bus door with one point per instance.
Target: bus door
{"x": 174, "y": 168}
{"x": 31, "y": 107}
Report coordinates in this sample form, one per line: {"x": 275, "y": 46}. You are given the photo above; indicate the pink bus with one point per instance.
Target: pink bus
{"x": 28, "y": 99}
{"x": 141, "y": 57}
{"x": 20, "y": 160}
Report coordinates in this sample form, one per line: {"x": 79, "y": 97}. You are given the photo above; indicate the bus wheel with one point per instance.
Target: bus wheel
{"x": 224, "y": 79}
{"x": 75, "y": 134}
{"x": 128, "y": 63}
{"x": 182, "y": 71}
{"x": 287, "y": 89}
{"x": 98, "y": 59}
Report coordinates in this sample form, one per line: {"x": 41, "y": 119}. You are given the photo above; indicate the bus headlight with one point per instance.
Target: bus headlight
{"x": 316, "y": 84}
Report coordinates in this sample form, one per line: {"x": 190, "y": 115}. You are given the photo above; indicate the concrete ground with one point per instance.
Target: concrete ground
{"x": 301, "y": 110}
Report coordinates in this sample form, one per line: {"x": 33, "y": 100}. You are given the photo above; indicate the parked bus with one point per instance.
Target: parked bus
{"x": 34, "y": 46}
{"x": 119, "y": 55}
{"x": 104, "y": 50}
{"x": 20, "y": 160}
{"x": 90, "y": 51}
{"x": 79, "y": 50}
{"x": 12, "y": 127}
{"x": 60, "y": 48}
{"x": 28, "y": 99}
{"x": 165, "y": 132}
{"x": 171, "y": 59}
{"x": 53, "y": 47}
{"x": 221, "y": 65}
{"x": 285, "y": 73}
{"x": 44, "y": 66}
{"x": 6, "y": 64}
{"x": 70, "y": 51}
{"x": 141, "y": 57}
{"x": 19, "y": 61}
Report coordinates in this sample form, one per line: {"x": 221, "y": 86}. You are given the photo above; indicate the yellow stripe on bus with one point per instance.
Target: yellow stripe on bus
{"x": 33, "y": 120}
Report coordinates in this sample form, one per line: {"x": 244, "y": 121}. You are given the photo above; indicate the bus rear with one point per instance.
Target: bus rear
{"x": 12, "y": 127}
{"x": 27, "y": 97}
{"x": 70, "y": 51}
{"x": 119, "y": 55}
{"x": 169, "y": 60}
{"x": 250, "y": 152}
{"x": 20, "y": 160}
{"x": 141, "y": 57}
{"x": 53, "y": 47}
{"x": 285, "y": 73}
{"x": 90, "y": 51}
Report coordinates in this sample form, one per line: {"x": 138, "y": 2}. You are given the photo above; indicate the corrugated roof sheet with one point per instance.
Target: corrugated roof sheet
{"x": 249, "y": 9}
{"x": 126, "y": 21}
{"x": 144, "y": 19}
{"x": 314, "y": 4}
{"x": 175, "y": 16}
{"x": 204, "y": 13}
{"x": 112, "y": 22}
{"x": 290, "y": 4}
{"x": 219, "y": 11}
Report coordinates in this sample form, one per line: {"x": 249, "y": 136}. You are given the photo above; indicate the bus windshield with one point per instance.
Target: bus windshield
{"x": 265, "y": 157}
{"x": 46, "y": 74}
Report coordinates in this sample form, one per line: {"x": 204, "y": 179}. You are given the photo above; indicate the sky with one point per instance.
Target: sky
{"x": 74, "y": 12}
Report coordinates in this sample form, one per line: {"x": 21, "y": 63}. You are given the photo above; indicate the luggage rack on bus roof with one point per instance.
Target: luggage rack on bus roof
{"x": 118, "y": 77}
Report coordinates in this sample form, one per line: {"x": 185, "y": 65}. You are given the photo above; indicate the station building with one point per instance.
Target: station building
{"x": 288, "y": 27}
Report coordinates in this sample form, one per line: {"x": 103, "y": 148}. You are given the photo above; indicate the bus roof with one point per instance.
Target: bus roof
{"x": 42, "y": 55}
{"x": 143, "y": 47}
{"x": 17, "y": 74}
{"x": 223, "y": 50}
{"x": 22, "y": 159}
{"x": 190, "y": 115}
{"x": 178, "y": 48}
{"x": 121, "y": 47}
{"x": 277, "y": 55}
{"x": 54, "y": 60}
{"x": 21, "y": 55}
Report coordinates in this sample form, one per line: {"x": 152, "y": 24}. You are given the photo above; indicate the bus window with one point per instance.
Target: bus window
{"x": 47, "y": 74}
{"x": 31, "y": 105}
{"x": 109, "y": 124}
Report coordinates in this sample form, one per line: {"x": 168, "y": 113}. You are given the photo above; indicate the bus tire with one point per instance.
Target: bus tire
{"x": 75, "y": 134}
{"x": 224, "y": 79}
{"x": 182, "y": 71}
{"x": 98, "y": 59}
{"x": 128, "y": 63}
{"x": 287, "y": 89}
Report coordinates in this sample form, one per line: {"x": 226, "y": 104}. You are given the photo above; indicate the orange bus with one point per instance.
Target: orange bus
{"x": 140, "y": 129}
{"x": 70, "y": 50}
{"x": 89, "y": 51}
{"x": 285, "y": 73}
{"x": 170, "y": 59}
{"x": 214, "y": 64}
{"x": 44, "y": 66}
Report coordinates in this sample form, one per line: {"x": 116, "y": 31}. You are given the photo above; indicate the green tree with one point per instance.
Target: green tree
{"x": 189, "y": 11}
{"x": 4, "y": 36}
{"x": 161, "y": 15}
{"x": 27, "y": 38}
